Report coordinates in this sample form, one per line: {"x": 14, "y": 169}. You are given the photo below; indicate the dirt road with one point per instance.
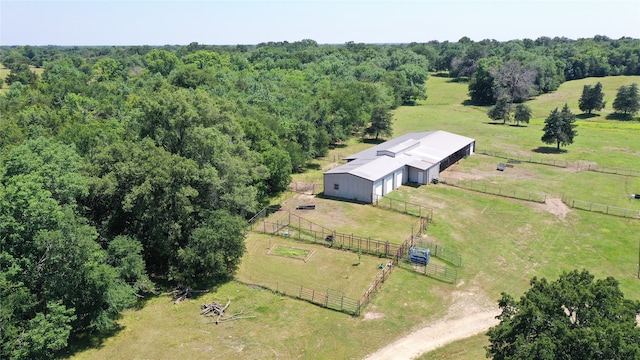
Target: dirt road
{"x": 436, "y": 335}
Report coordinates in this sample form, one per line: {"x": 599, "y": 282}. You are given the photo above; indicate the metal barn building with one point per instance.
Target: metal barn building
{"x": 415, "y": 157}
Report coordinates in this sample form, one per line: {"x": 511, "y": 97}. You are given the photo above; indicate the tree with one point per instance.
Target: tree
{"x": 592, "y": 98}
{"x": 570, "y": 318}
{"x": 515, "y": 80}
{"x": 501, "y": 110}
{"x": 53, "y": 276}
{"x": 627, "y": 100}
{"x": 380, "y": 123}
{"x": 107, "y": 69}
{"x": 522, "y": 114}
{"x": 482, "y": 83}
{"x": 161, "y": 61}
{"x": 22, "y": 74}
{"x": 214, "y": 250}
{"x": 560, "y": 127}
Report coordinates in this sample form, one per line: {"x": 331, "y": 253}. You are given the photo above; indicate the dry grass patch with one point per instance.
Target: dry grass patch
{"x": 345, "y": 217}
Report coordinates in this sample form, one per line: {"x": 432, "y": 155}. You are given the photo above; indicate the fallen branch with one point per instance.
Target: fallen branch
{"x": 182, "y": 293}
{"x": 215, "y": 308}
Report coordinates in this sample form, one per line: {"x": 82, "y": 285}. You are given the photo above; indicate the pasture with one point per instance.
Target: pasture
{"x": 4, "y": 72}
{"x": 504, "y": 242}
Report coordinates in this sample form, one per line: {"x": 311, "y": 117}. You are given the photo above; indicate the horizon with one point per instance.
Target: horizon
{"x": 230, "y": 23}
{"x": 320, "y": 44}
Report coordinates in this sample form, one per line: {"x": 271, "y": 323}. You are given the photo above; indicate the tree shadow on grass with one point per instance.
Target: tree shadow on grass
{"x": 548, "y": 150}
{"x": 323, "y": 196}
{"x": 340, "y": 145}
{"x": 312, "y": 166}
{"x": 86, "y": 340}
{"x": 83, "y": 341}
{"x": 372, "y": 141}
{"x": 620, "y": 117}
{"x": 586, "y": 116}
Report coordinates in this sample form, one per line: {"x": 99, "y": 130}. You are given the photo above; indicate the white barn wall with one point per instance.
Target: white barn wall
{"x": 349, "y": 187}
{"x": 432, "y": 173}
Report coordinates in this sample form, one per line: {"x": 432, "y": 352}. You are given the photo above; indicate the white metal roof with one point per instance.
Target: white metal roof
{"x": 420, "y": 150}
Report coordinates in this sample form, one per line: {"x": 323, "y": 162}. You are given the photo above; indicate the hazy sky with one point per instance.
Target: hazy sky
{"x": 218, "y": 22}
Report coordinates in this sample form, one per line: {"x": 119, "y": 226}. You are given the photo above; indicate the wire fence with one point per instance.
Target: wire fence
{"x": 610, "y": 169}
{"x": 601, "y": 208}
{"x": 306, "y": 188}
{"x": 580, "y": 165}
{"x": 437, "y": 272}
{"x": 294, "y": 226}
{"x": 330, "y": 299}
{"x": 488, "y": 188}
{"x": 442, "y": 253}
{"x": 522, "y": 158}
{"x": 382, "y": 275}
{"x": 402, "y": 206}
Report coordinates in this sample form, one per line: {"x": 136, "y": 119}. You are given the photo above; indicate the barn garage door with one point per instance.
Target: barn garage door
{"x": 378, "y": 187}
{"x": 388, "y": 184}
{"x": 398, "y": 179}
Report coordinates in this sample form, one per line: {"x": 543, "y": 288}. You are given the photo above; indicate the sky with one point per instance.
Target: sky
{"x": 224, "y": 22}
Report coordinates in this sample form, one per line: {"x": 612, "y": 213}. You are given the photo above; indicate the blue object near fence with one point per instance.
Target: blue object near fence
{"x": 419, "y": 256}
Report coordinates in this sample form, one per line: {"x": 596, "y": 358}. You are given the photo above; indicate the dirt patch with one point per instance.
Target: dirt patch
{"x": 554, "y": 206}
{"x": 372, "y": 315}
{"x": 469, "y": 314}
{"x": 574, "y": 167}
{"x": 623, "y": 150}
{"x": 326, "y": 211}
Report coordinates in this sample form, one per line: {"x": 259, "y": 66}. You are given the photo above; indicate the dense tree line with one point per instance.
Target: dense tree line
{"x": 124, "y": 165}
{"x": 121, "y": 166}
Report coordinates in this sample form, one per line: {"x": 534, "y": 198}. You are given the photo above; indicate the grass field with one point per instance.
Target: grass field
{"x": 503, "y": 242}
{"x": 4, "y": 72}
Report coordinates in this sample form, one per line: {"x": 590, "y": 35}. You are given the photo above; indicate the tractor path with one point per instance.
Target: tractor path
{"x": 438, "y": 334}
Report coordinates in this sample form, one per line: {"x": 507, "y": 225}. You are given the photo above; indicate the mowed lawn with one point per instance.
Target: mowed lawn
{"x": 503, "y": 242}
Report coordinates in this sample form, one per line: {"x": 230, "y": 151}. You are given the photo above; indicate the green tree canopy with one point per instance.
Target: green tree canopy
{"x": 53, "y": 274}
{"x": 559, "y": 127}
{"x": 573, "y": 317}
{"x": 522, "y": 114}
{"x": 627, "y": 100}
{"x": 592, "y": 98}
{"x": 501, "y": 110}
{"x": 381, "y": 123}
{"x": 21, "y": 73}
